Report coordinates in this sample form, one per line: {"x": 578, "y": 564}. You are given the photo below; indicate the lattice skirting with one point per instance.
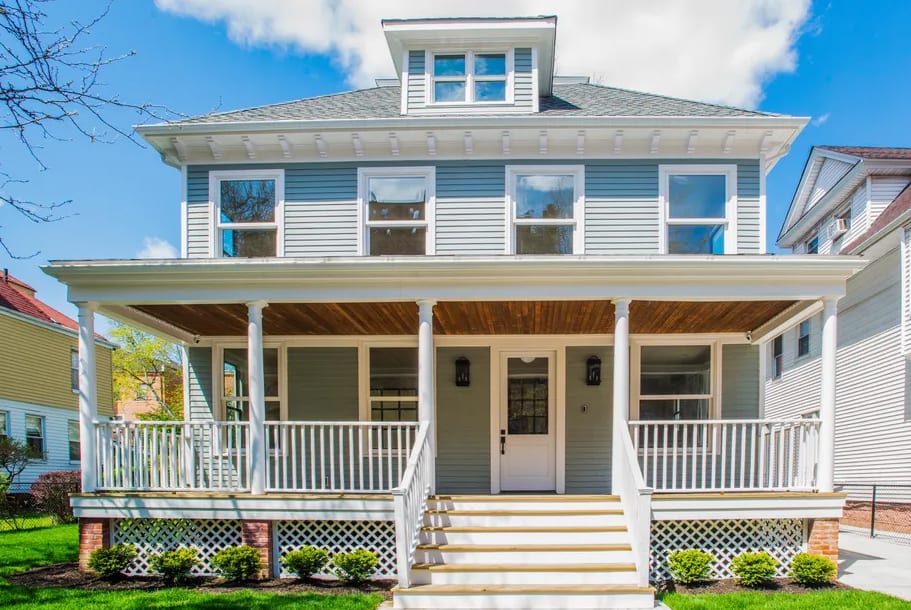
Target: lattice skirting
{"x": 152, "y": 536}
{"x": 725, "y": 539}
{"x": 340, "y": 537}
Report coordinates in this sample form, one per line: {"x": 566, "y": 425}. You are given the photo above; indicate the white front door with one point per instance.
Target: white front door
{"x": 527, "y": 436}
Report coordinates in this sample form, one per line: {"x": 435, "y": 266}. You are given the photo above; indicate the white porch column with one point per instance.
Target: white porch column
{"x": 826, "y": 469}
{"x": 88, "y": 406}
{"x": 257, "y": 397}
{"x": 426, "y": 394}
{"x": 621, "y": 384}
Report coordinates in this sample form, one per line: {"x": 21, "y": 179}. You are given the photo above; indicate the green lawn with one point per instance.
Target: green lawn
{"x": 42, "y": 546}
{"x": 26, "y": 523}
{"x": 815, "y": 600}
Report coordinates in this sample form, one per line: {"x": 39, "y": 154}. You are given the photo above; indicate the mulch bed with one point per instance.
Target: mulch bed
{"x": 730, "y": 585}
{"x": 68, "y": 575}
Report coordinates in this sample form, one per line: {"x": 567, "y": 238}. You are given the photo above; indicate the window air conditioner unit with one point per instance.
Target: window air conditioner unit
{"x": 839, "y": 227}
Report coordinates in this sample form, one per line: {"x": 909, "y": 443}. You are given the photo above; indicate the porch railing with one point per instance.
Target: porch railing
{"x": 636, "y": 497}
{"x": 163, "y": 456}
{"x": 727, "y": 455}
{"x": 410, "y": 499}
{"x": 337, "y": 456}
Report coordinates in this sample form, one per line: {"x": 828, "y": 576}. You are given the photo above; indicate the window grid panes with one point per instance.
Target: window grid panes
{"x": 696, "y": 213}
{"x": 528, "y": 395}
{"x": 74, "y": 370}
{"x": 393, "y": 384}
{"x": 34, "y": 435}
{"x": 397, "y": 215}
{"x": 545, "y": 213}
{"x": 72, "y": 429}
{"x": 235, "y": 388}
{"x": 777, "y": 356}
{"x": 247, "y": 217}
{"x": 803, "y": 338}
{"x": 675, "y": 382}
{"x": 469, "y": 77}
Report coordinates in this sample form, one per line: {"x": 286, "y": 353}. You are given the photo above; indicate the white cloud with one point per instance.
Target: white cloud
{"x": 714, "y": 50}
{"x": 156, "y": 247}
{"x": 821, "y": 119}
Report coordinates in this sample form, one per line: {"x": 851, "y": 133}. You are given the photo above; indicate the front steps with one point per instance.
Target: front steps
{"x": 509, "y": 552}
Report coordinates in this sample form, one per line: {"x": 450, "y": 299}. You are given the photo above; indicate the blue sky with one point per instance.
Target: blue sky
{"x": 850, "y": 67}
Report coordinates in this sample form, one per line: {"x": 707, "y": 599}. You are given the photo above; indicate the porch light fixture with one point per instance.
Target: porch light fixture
{"x": 593, "y": 371}
{"x": 462, "y": 372}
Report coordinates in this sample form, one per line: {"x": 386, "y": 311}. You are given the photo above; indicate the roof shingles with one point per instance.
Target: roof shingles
{"x": 18, "y": 296}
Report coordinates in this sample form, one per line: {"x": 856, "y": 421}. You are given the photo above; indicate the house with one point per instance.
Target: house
{"x": 400, "y": 303}
{"x": 39, "y": 380}
{"x": 854, "y": 200}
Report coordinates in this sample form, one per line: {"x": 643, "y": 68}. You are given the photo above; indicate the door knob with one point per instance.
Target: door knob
{"x": 502, "y": 442}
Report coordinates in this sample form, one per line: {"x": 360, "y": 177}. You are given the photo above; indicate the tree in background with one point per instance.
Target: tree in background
{"x": 51, "y": 89}
{"x": 148, "y": 368}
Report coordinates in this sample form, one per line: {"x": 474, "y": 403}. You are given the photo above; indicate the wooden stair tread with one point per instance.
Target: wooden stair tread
{"x": 522, "y": 589}
{"x": 485, "y": 548}
{"x": 526, "y": 567}
{"x": 527, "y": 498}
{"x": 536, "y": 513}
{"x": 520, "y": 529}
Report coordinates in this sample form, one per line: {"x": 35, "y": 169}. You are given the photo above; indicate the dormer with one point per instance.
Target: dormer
{"x": 472, "y": 65}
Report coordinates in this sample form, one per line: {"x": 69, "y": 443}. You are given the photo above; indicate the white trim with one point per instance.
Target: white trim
{"x": 428, "y": 173}
{"x": 637, "y": 342}
{"x": 763, "y": 212}
{"x": 469, "y": 77}
{"x": 405, "y": 80}
{"x": 666, "y": 507}
{"x": 215, "y": 224}
{"x": 218, "y": 364}
{"x": 364, "y": 345}
{"x": 184, "y": 211}
{"x": 729, "y": 171}
{"x": 578, "y": 219}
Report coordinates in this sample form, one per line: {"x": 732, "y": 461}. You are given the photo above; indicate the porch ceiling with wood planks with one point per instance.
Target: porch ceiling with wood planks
{"x": 470, "y": 317}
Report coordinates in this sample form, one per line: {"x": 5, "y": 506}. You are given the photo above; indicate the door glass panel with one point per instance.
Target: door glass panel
{"x": 527, "y": 387}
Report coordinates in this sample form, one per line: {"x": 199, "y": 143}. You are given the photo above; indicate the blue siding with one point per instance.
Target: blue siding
{"x": 416, "y": 87}
{"x": 523, "y": 60}
{"x": 199, "y": 361}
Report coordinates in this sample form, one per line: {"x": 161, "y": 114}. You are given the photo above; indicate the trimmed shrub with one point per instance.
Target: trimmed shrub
{"x": 237, "y": 562}
{"x": 812, "y": 570}
{"x": 175, "y": 566}
{"x": 690, "y": 565}
{"x": 110, "y": 563}
{"x": 306, "y": 561}
{"x": 754, "y": 569}
{"x": 355, "y": 567}
{"x": 51, "y": 493}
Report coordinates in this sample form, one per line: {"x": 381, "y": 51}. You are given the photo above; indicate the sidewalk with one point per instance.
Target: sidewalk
{"x": 875, "y": 564}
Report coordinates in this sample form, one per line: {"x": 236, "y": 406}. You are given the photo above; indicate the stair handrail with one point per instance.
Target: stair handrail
{"x": 410, "y": 501}
{"x": 636, "y": 498}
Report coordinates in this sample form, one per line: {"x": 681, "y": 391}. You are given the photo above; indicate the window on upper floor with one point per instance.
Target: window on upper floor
{"x": 472, "y": 77}
{"x": 248, "y": 215}
{"x": 34, "y": 435}
{"x": 546, "y": 208}
{"x": 398, "y": 210}
{"x": 842, "y": 224}
{"x": 803, "y": 338}
{"x": 699, "y": 206}
{"x": 777, "y": 357}
{"x": 72, "y": 431}
{"x": 4, "y": 424}
{"x": 74, "y": 370}
{"x": 812, "y": 245}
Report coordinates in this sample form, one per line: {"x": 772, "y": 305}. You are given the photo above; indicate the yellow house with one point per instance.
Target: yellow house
{"x": 39, "y": 395}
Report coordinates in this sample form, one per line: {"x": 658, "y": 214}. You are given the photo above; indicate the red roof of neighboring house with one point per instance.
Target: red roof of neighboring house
{"x": 20, "y": 297}
{"x": 899, "y": 206}
{"x": 871, "y": 152}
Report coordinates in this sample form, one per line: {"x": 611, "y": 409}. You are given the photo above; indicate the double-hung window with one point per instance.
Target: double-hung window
{"x": 393, "y": 384}
{"x": 472, "y": 77}
{"x": 397, "y": 210}
{"x": 236, "y": 384}
{"x": 803, "y": 338}
{"x": 675, "y": 382}
{"x": 74, "y": 370}
{"x": 34, "y": 435}
{"x": 248, "y": 212}
{"x": 72, "y": 431}
{"x": 699, "y": 209}
{"x": 546, "y": 209}
{"x": 777, "y": 356}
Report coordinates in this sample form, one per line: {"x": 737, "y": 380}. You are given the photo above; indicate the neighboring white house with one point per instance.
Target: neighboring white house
{"x": 478, "y": 277}
{"x": 854, "y": 200}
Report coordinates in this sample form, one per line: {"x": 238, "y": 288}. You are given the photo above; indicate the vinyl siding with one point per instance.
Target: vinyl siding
{"x": 797, "y": 390}
{"x": 748, "y": 209}
{"x": 198, "y": 212}
{"x": 35, "y": 366}
{"x": 857, "y": 201}
{"x": 463, "y": 423}
{"x": 322, "y": 384}
{"x": 56, "y": 438}
{"x": 621, "y": 207}
{"x": 199, "y": 383}
{"x": 883, "y": 191}
{"x": 471, "y": 208}
{"x": 830, "y": 172}
{"x": 524, "y": 92}
{"x": 589, "y": 433}
{"x": 417, "y": 80}
{"x": 740, "y": 381}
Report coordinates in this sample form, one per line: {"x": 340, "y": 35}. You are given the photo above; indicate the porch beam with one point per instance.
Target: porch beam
{"x": 829, "y": 346}
{"x": 621, "y": 386}
{"x": 88, "y": 406}
{"x": 257, "y": 397}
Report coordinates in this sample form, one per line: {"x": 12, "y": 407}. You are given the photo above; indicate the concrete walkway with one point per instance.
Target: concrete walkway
{"x": 875, "y": 564}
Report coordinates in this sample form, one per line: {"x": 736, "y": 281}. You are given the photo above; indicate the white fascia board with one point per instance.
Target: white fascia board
{"x": 786, "y": 320}
{"x": 362, "y": 279}
{"x": 57, "y": 328}
{"x": 786, "y": 505}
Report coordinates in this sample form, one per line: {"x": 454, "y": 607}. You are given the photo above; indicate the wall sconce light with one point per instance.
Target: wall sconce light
{"x": 462, "y": 372}
{"x": 593, "y": 371}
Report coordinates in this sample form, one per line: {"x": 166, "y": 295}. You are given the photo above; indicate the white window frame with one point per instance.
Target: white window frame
{"x": 44, "y": 446}
{"x": 470, "y": 76}
{"x": 775, "y": 373}
{"x": 578, "y": 219}
{"x": 428, "y": 172}
{"x": 806, "y": 244}
{"x": 218, "y": 369}
{"x": 729, "y": 171}
{"x": 70, "y": 422}
{"x": 365, "y": 412}
{"x": 216, "y": 226}
{"x": 800, "y": 336}
{"x": 5, "y": 429}
{"x": 74, "y": 370}
{"x": 714, "y": 398}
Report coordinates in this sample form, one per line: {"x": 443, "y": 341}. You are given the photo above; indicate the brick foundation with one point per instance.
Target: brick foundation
{"x": 258, "y": 534}
{"x": 93, "y": 534}
{"x": 822, "y": 538}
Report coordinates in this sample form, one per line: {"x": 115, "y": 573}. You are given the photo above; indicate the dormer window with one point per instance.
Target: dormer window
{"x": 469, "y": 77}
